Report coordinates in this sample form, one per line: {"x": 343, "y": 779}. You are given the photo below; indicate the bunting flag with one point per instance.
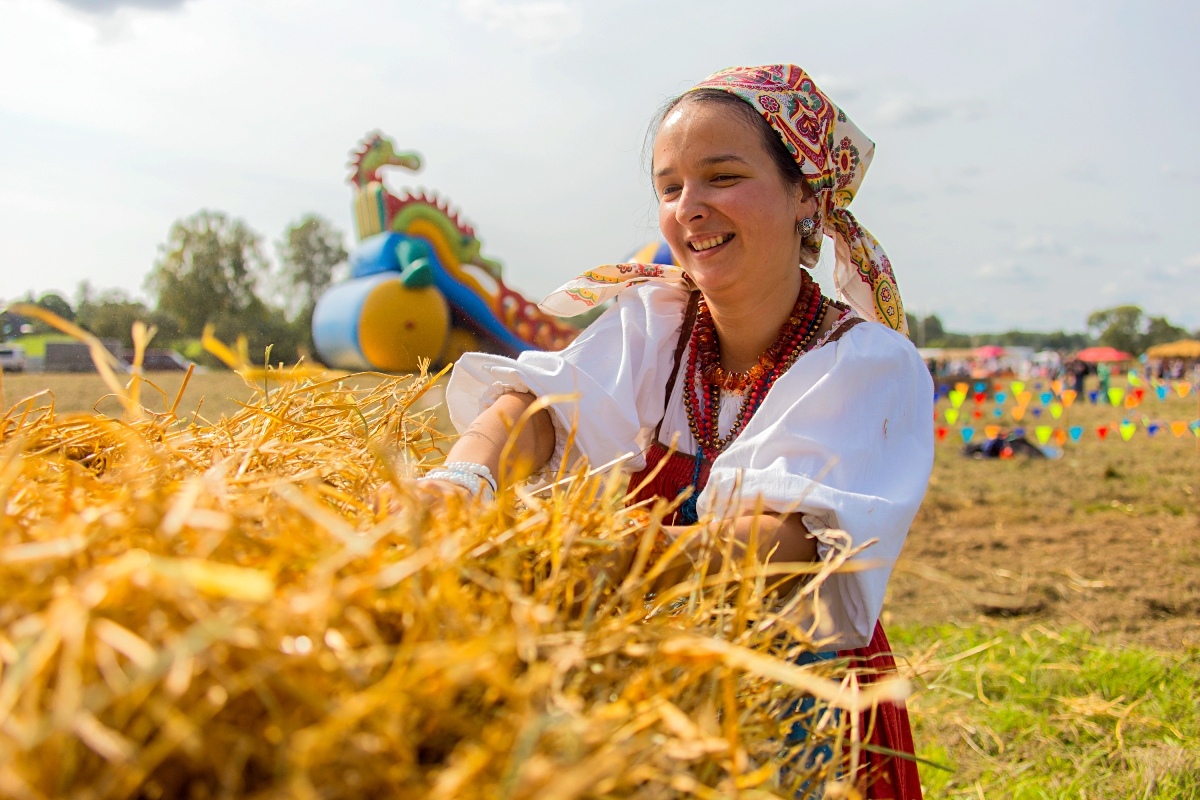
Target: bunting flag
{"x": 1134, "y": 380}
{"x": 1053, "y": 401}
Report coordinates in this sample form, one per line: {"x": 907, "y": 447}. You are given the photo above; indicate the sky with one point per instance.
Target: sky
{"x": 1035, "y": 160}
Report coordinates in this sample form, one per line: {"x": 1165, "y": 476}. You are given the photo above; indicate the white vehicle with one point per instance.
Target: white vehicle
{"x": 12, "y": 358}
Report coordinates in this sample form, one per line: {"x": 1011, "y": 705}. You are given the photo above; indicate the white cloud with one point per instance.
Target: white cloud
{"x": 1043, "y": 244}
{"x": 1006, "y": 271}
{"x": 1193, "y": 261}
{"x": 905, "y": 110}
{"x": 840, "y": 88}
{"x": 111, "y": 6}
{"x": 541, "y": 21}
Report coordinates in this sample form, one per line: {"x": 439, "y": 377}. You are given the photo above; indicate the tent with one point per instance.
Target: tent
{"x": 989, "y": 351}
{"x": 1184, "y": 348}
{"x": 1102, "y": 355}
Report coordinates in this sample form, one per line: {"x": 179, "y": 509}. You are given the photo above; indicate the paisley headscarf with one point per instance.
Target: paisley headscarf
{"x": 833, "y": 154}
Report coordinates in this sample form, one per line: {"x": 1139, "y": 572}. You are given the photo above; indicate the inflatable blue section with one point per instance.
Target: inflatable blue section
{"x": 335, "y": 321}
{"x": 663, "y": 254}
{"x": 376, "y": 254}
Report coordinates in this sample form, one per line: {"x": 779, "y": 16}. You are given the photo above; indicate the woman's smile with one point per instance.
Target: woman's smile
{"x": 708, "y": 244}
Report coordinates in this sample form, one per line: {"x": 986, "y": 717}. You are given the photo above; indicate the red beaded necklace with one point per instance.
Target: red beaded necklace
{"x": 704, "y": 368}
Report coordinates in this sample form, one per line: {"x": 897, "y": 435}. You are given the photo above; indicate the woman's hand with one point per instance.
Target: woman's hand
{"x": 430, "y": 493}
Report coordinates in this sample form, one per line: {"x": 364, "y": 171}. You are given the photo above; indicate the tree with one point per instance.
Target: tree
{"x": 310, "y": 253}
{"x": 55, "y": 304}
{"x": 210, "y": 266}
{"x": 1160, "y": 331}
{"x": 111, "y": 314}
{"x": 1121, "y": 327}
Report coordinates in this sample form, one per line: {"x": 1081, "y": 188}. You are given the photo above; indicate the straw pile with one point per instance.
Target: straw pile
{"x": 225, "y": 610}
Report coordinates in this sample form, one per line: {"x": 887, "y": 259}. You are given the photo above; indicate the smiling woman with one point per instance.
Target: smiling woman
{"x": 799, "y": 425}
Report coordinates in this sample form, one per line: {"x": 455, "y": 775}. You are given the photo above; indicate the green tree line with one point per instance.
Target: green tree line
{"x": 1127, "y": 328}
{"x": 212, "y": 269}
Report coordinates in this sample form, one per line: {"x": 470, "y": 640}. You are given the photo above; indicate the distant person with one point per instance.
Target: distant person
{"x": 1077, "y": 371}
{"x": 1104, "y": 374}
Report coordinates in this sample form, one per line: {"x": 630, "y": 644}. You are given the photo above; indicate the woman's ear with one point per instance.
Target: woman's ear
{"x": 806, "y": 206}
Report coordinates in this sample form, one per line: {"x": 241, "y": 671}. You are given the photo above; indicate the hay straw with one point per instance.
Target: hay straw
{"x": 225, "y": 610}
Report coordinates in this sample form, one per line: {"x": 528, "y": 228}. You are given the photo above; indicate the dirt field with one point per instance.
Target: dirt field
{"x": 1107, "y": 537}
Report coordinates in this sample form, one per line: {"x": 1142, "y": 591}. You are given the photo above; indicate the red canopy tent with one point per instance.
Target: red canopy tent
{"x": 1102, "y": 355}
{"x": 989, "y": 351}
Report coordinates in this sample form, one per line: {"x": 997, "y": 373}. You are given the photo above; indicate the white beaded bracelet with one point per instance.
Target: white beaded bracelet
{"x": 475, "y": 478}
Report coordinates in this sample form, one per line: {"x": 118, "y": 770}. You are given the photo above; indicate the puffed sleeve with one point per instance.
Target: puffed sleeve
{"x": 845, "y": 438}
{"x": 611, "y": 379}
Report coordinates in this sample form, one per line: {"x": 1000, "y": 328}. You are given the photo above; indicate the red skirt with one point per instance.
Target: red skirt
{"x": 896, "y": 778}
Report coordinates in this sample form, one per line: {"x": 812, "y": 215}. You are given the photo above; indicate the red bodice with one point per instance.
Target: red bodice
{"x": 897, "y": 778}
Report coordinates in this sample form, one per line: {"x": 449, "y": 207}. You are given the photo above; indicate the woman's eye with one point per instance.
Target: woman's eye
{"x": 671, "y": 189}
{"x": 724, "y": 178}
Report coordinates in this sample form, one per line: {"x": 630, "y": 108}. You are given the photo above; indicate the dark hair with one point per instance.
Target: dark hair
{"x": 789, "y": 170}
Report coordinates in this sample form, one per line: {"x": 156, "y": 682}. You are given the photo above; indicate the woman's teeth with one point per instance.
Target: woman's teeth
{"x": 708, "y": 244}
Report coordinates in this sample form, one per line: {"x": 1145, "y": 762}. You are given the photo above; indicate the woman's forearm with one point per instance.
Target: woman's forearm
{"x": 483, "y": 442}
{"x": 781, "y": 539}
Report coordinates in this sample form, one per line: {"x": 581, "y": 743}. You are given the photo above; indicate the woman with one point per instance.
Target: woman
{"x": 787, "y": 414}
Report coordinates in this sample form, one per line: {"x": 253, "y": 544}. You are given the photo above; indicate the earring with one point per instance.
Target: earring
{"x": 806, "y": 227}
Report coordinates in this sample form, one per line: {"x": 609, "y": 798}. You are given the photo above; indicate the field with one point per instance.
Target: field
{"x": 1049, "y": 610}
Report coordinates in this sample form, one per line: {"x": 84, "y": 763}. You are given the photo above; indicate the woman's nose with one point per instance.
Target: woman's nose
{"x": 691, "y": 206}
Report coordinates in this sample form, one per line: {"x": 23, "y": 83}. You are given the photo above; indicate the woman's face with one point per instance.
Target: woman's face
{"x": 725, "y": 210}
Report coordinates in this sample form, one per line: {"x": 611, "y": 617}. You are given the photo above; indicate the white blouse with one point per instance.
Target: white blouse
{"x": 844, "y": 437}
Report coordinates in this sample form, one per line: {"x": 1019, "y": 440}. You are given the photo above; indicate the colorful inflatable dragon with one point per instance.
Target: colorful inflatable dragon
{"x": 419, "y": 285}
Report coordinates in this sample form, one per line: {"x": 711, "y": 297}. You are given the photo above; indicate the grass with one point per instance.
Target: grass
{"x": 1042, "y": 713}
